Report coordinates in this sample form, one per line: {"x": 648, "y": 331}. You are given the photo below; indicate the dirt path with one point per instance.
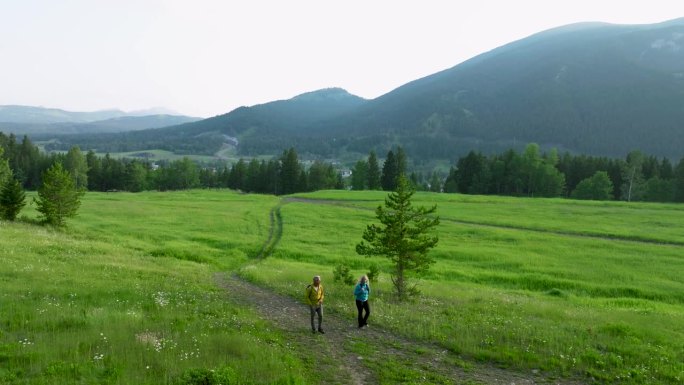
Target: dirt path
{"x": 340, "y": 363}
{"x": 348, "y": 355}
{"x": 292, "y": 319}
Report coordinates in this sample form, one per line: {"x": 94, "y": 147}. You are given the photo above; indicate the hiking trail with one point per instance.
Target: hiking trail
{"x": 336, "y": 353}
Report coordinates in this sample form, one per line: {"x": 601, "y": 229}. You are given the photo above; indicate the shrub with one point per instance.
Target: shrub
{"x": 222, "y": 376}
{"x": 341, "y": 273}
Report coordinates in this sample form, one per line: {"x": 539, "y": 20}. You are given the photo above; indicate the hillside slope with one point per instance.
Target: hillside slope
{"x": 592, "y": 88}
{"x": 261, "y": 129}
{"x": 589, "y": 88}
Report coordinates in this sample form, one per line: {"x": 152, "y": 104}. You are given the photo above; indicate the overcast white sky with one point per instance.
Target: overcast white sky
{"x": 207, "y": 57}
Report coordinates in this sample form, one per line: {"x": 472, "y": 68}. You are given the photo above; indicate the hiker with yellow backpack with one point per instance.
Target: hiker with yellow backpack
{"x": 314, "y": 297}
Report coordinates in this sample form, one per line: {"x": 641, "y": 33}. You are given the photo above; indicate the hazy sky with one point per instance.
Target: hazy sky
{"x": 204, "y": 58}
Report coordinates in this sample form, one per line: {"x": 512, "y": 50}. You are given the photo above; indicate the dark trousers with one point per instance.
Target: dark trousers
{"x": 361, "y": 306}
{"x": 318, "y": 309}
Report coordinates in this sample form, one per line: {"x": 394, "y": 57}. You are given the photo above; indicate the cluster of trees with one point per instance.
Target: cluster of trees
{"x": 526, "y": 174}
{"x": 282, "y": 175}
{"x": 367, "y": 175}
{"x": 58, "y": 198}
{"x": 531, "y": 173}
{"x": 636, "y": 178}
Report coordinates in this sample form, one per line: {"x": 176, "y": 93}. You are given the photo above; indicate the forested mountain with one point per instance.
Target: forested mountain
{"x": 591, "y": 88}
{"x": 261, "y": 129}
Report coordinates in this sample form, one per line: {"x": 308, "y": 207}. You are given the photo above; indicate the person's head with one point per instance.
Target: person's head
{"x": 316, "y": 280}
{"x": 363, "y": 279}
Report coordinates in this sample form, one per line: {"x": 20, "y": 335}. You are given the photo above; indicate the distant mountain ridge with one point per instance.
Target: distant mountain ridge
{"x": 261, "y": 129}
{"x": 27, "y": 120}
{"x": 591, "y": 88}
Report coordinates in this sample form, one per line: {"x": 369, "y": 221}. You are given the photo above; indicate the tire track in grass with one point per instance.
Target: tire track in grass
{"x": 275, "y": 232}
{"x": 612, "y": 237}
{"x": 349, "y": 355}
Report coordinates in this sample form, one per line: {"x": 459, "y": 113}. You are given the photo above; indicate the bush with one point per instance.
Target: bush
{"x": 341, "y": 273}
{"x": 222, "y": 376}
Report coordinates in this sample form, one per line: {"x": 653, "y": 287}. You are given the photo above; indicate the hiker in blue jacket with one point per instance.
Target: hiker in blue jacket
{"x": 361, "y": 292}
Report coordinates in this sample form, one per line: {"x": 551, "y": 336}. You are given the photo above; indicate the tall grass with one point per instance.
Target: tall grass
{"x": 99, "y": 303}
{"x": 126, "y": 294}
{"x": 649, "y": 222}
{"x": 603, "y": 308}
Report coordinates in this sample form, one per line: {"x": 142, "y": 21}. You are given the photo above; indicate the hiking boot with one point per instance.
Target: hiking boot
{"x": 320, "y": 331}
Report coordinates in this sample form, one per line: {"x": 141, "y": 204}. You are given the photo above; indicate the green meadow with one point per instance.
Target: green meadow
{"x": 161, "y": 155}
{"x": 580, "y": 289}
{"x": 126, "y": 295}
{"x": 585, "y": 291}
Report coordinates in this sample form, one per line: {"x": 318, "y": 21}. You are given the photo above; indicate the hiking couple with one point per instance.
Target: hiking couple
{"x": 315, "y": 295}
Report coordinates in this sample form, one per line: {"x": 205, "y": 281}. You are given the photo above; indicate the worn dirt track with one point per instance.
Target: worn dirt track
{"x": 336, "y": 360}
{"x": 338, "y": 364}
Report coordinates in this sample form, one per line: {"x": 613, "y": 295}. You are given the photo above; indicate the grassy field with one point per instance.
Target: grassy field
{"x": 581, "y": 289}
{"x": 126, "y": 294}
{"x": 227, "y": 155}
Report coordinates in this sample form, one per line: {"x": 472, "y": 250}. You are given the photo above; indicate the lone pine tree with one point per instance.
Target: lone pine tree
{"x": 405, "y": 236}
{"x": 58, "y": 197}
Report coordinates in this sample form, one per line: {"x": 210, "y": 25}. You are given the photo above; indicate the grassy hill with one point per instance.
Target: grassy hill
{"x": 577, "y": 291}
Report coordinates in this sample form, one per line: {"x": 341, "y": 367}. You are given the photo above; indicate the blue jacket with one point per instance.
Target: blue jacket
{"x": 361, "y": 291}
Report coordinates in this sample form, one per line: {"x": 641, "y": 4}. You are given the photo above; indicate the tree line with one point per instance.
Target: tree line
{"x": 58, "y": 198}
{"x": 638, "y": 177}
{"x": 285, "y": 174}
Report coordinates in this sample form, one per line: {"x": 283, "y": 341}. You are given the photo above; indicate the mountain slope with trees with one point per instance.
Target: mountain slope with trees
{"x": 261, "y": 129}
{"x": 590, "y": 88}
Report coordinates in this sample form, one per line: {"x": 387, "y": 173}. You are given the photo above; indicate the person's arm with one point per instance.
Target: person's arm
{"x": 322, "y": 294}
{"x": 357, "y": 290}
